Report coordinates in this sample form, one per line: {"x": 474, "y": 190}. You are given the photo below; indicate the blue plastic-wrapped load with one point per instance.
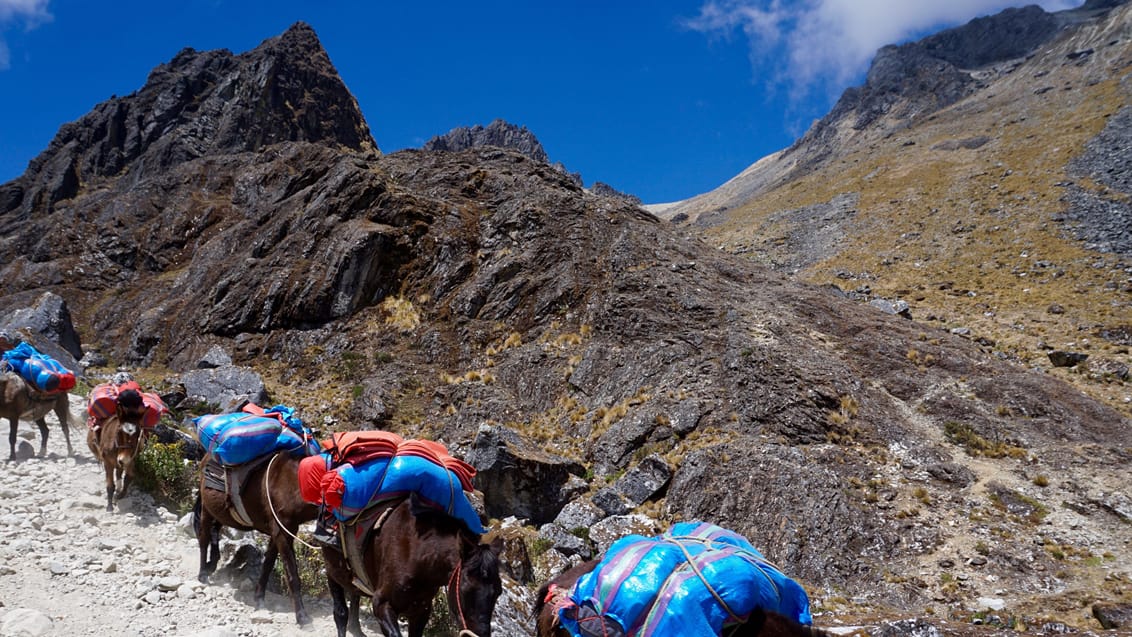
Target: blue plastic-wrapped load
{"x": 243, "y": 436}
{"x": 654, "y": 587}
{"x": 40, "y": 370}
{"x": 348, "y": 490}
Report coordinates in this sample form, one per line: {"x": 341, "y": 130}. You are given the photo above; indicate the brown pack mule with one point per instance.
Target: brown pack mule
{"x": 416, "y": 551}
{"x": 116, "y": 445}
{"x": 18, "y": 401}
{"x": 270, "y": 497}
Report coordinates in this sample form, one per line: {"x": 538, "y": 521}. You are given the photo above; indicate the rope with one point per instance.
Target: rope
{"x": 696, "y": 570}
{"x": 459, "y": 607}
{"x": 270, "y": 505}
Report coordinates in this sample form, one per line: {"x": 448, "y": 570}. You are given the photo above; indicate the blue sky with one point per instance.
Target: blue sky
{"x": 664, "y": 99}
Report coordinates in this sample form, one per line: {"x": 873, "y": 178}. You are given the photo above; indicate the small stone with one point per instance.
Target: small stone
{"x": 945, "y": 563}
{"x": 185, "y": 591}
{"x": 166, "y": 584}
{"x": 110, "y": 567}
{"x": 1061, "y": 358}
{"x": 978, "y": 560}
{"x": 58, "y": 568}
{"x": 152, "y": 597}
{"x": 262, "y": 617}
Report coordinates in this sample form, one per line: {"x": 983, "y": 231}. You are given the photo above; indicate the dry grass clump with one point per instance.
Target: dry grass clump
{"x": 975, "y": 445}
{"x": 604, "y": 416}
{"x": 401, "y": 315}
{"x": 514, "y": 339}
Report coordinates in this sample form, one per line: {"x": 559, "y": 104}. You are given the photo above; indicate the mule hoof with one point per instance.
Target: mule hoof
{"x": 202, "y": 578}
{"x": 303, "y": 618}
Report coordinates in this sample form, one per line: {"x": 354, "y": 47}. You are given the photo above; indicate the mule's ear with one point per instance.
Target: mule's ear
{"x": 496, "y": 545}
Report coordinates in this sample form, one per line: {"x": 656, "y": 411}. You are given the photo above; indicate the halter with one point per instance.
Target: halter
{"x": 118, "y": 438}
{"x": 454, "y": 581}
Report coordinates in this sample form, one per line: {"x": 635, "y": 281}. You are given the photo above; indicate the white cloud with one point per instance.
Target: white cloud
{"x": 28, "y": 13}
{"x": 824, "y": 45}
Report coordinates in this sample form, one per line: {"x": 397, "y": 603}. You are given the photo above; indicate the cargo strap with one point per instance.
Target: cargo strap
{"x": 355, "y": 536}
{"x": 231, "y": 481}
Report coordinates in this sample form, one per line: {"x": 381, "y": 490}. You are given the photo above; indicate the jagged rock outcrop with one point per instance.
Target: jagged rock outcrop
{"x": 498, "y": 133}
{"x": 198, "y": 104}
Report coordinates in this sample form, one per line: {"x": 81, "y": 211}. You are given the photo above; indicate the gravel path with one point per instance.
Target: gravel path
{"x": 68, "y": 567}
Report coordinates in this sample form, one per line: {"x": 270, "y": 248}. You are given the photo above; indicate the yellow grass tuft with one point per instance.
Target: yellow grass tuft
{"x": 401, "y": 314}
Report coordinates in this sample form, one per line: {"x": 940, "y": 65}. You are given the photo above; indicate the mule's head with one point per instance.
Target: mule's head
{"x": 475, "y": 586}
{"x": 131, "y": 408}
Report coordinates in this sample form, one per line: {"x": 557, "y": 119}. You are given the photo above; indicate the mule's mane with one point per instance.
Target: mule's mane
{"x": 482, "y": 560}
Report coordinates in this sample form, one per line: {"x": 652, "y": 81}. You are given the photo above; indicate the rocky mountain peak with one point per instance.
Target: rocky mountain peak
{"x": 498, "y": 133}
{"x": 200, "y": 103}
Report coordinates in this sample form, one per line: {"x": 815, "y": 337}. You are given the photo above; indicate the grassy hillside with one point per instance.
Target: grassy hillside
{"x": 958, "y": 215}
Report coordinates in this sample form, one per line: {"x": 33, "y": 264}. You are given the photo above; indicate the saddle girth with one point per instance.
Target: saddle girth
{"x": 231, "y": 481}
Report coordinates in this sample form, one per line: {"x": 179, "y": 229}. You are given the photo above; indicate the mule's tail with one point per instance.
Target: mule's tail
{"x": 196, "y": 515}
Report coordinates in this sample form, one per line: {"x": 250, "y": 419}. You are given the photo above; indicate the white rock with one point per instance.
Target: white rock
{"x": 27, "y": 622}
{"x": 185, "y": 591}
{"x": 262, "y": 617}
{"x": 152, "y": 597}
{"x": 991, "y": 603}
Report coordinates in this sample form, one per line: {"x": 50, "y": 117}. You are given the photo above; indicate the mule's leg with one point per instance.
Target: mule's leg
{"x": 291, "y": 568}
{"x": 207, "y": 537}
{"x": 417, "y": 615}
{"x": 354, "y": 624}
{"x": 42, "y": 424}
{"x": 126, "y": 470}
{"x": 63, "y": 413}
{"x": 341, "y": 612}
{"x": 269, "y": 556}
{"x": 109, "y": 485}
{"x": 386, "y": 617}
{"x": 12, "y": 438}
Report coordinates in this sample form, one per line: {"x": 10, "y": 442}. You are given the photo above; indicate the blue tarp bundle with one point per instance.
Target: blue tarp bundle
{"x": 649, "y": 588}
{"x": 241, "y": 437}
{"x": 385, "y": 478}
{"x": 43, "y": 372}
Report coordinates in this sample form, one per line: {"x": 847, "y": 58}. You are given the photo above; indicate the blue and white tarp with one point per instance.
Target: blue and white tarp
{"x": 241, "y": 437}
{"x": 397, "y": 476}
{"x": 657, "y": 587}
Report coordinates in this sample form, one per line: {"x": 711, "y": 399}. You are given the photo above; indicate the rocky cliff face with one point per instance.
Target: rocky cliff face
{"x": 481, "y": 295}
{"x": 498, "y": 133}
{"x": 198, "y": 104}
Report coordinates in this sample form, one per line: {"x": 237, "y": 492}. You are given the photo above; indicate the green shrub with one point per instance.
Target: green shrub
{"x": 163, "y": 473}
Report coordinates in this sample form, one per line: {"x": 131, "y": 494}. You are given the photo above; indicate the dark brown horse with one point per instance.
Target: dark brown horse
{"x": 416, "y": 551}
{"x": 270, "y": 497}
{"x": 116, "y": 445}
{"x": 18, "y": 401}
{"x": 760, "y": 623}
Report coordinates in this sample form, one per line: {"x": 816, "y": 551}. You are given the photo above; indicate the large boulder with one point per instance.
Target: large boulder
{"x": 47, "y": 327}
{"x": 518, "y": 478}
{"x": 225, "y": 387}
